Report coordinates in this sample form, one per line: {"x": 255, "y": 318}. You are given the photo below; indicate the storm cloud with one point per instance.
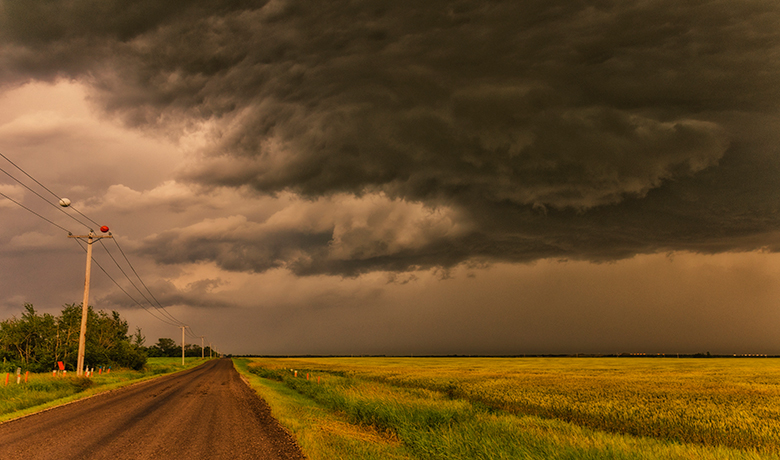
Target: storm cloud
{"x": 419, "y": 135}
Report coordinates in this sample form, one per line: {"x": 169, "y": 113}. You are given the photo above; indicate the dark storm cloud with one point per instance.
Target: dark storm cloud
{"x": 195, "y": 294}
{"x": 573, "y": 129}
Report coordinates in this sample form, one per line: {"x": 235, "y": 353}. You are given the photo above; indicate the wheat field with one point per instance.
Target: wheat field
{"x": 432, "y": 408}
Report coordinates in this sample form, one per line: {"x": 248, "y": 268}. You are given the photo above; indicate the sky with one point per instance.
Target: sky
{"x": 406, "y": 178}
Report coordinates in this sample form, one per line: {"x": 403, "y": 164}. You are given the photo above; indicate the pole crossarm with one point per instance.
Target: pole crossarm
{"x": 93, "y": 236}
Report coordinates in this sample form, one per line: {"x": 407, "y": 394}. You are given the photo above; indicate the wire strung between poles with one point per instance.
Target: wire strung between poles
{"x": 30, "y": 210}
{"x": 123, "y": 290}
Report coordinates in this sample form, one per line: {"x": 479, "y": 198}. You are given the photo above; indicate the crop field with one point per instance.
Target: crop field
{"x": 535, "y": 408}
{"x": 43, "y": 390}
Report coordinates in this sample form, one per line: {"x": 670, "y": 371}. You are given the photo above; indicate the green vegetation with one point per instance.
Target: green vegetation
{"x": 36, "y": 342}
{"x": 535, "y": 408}
{"x": 321, "y": 433}
{"x": 167, "y": 347}
{"x": 42, "y": 390}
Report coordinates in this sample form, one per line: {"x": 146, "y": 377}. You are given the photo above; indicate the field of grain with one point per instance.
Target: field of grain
{"x": 436, "y": 408}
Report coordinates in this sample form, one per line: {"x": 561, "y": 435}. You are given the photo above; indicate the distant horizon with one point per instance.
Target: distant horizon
{"x": 550, "y": 355}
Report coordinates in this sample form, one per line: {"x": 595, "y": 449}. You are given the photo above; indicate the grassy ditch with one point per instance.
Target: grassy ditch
{"x": 42, "y": 391}
{"x": 475, "y": 408}
{"x": 322, "y": 434}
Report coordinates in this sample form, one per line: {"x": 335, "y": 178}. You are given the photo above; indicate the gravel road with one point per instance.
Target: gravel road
{"x": 203, "y": 413}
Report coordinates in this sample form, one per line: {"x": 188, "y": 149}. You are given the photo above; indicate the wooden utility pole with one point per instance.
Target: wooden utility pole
{"x": 202, "y": 351}
{"x": 182, "y": 344}
{"x": 85, "y": 303}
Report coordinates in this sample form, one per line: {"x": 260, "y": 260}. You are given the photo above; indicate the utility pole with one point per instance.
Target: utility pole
{"x": 85, "y": 303}
{"x": 202, "y": 351}
{"x": 210, "y": 350}
{"x": 182, "y": 344}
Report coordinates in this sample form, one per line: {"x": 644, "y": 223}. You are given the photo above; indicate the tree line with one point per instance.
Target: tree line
{"x": 36, "y": 342}
{"x": 168, "y": 347}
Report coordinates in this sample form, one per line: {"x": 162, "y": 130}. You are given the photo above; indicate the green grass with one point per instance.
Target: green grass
{"x": 559, "y": 408}
{"x": 43, "y": 391}
{"x": 321, "y": 433}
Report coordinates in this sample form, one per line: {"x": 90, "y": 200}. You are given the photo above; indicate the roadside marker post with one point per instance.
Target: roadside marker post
{"x": 7, "y": 374}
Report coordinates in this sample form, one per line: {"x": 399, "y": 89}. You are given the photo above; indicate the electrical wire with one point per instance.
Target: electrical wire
{"x": 31, "y": 177}
{"x": 43, "y": 186}
{"x": 78, "y": 240}
{"x": 165, "y": 316}
{"x": 161, "y": 307}
{"x": 58, "y": 208}
{"x": 123, "y": 272}
{"x": 192, "y": 333}
{"x": 30, "y": 210}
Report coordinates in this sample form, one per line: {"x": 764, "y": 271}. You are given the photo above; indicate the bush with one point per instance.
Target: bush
{"x": 81, "y": 383}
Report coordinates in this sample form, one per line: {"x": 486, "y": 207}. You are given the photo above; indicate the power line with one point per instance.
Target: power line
{"x": 123, "y": 272}
{"x": 31, "y": 177}
{"x": 44, "y": 187}
{"x": 177, "y": 322}
{"x": 123, "y": 290}
{"x": 159, "y": 307}
{"x": 162, "y": 308}
{"x": 192, "y": 333}
{"x": 30, "y": 210}
{"x": 166, "y": 317}
{"x": 41, "y": 197}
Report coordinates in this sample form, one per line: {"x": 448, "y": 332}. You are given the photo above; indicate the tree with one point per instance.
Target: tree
{"x": 165, "y": 347}
{"x": 36, "y": 342}
{"x": 138, "y": 338}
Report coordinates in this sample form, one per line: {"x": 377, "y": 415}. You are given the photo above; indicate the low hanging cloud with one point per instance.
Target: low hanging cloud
{"x": 196, "y": 294}
{"x": 341, "y": 234}
{"x": 526, "y": 129}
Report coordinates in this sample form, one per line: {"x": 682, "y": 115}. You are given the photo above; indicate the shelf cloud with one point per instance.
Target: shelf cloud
{"x": 417, "y": 135}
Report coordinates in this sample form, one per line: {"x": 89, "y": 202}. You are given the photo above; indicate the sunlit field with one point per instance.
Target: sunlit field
{"x": 490, "y": 408}
{"x": 44, "y": 390}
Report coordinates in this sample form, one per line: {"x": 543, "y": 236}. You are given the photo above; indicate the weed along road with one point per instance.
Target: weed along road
{"x": 203, "y": 413}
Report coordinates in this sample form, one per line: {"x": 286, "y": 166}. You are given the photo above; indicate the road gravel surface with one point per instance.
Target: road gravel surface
{"x": 206, "y": 412}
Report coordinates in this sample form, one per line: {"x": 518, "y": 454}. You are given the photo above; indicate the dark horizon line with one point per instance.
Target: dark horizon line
{"x": 524, "y": 355}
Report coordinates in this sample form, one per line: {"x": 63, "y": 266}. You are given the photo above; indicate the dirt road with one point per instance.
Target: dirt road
{"x": 203, "y": 413}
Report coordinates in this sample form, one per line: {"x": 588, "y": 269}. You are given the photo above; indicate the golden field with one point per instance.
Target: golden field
{"x": 431, "y": 408}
